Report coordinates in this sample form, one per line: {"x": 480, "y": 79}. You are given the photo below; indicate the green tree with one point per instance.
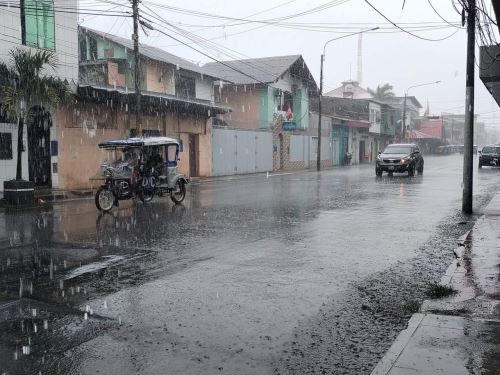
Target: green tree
{"x": 24, "y": 86}
{"x": 383, "y": 92}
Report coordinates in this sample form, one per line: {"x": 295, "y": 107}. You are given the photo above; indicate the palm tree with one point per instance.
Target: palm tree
{"x": 383, "y": 92}
{"x": 23, "y": 86}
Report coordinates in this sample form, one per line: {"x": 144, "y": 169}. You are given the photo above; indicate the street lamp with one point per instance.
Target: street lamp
{"x": 403, "y": 130}
{"x": 318, "y": 158}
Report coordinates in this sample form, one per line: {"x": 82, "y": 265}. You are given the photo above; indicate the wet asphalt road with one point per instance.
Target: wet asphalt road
{"x": 296, "y": 273}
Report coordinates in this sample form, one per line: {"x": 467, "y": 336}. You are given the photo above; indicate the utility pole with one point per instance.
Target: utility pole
{"x": 318, "y": 156}
{"x": 452, "y": 130}
{"x": 137, "y": 67}
{"x": 403, "y": 131}
{"x": 318, "y": 150}
{"x": 469, "y": 110}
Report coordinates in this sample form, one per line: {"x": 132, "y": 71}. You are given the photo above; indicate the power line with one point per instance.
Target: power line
{"x": 210, "y": 45}
{"x": 313, "y": 10}
{"x": 408, "y": 32}
{"x": 439, "y": 15}
{"x": 210, "y": 57}
{"x": 71, "y": 11}
{"x": 254, "y": 14}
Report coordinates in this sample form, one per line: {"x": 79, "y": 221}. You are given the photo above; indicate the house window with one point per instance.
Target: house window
{"x": 185, "y": 87}
{"x": 82, "y": 46}
{"x": 37, "y": 23}
{"x": 122, "y": 69}
{"x": 92, "y": 49}
{"x": 5, "y": 146}
{"x": 286, "y": 101}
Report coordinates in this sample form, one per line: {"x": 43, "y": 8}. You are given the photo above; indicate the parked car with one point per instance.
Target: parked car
{"x": 400, "y": 158}
{"x": 461, "y": 149}
{"x": 489, "y": 156}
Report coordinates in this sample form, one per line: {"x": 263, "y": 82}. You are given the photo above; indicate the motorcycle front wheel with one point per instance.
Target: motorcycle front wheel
{"x": 146, "y": 196}
{"x": 104, "y": 199}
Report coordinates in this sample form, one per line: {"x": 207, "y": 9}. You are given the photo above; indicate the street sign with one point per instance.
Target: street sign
{"x": 289, "y": 125}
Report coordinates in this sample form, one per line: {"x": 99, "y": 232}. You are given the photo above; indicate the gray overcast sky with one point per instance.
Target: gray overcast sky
{"x": 396, "y": 57}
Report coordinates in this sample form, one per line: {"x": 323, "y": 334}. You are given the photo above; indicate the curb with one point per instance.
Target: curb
{"x": 397, "y": 347}
{"x": 459, "y": 252}
{"x": 402, "y": 340}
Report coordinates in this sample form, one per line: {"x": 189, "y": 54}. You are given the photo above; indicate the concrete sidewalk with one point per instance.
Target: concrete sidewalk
{"x": 459, "y": 334}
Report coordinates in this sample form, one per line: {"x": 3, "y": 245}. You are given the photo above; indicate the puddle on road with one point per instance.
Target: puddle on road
{"x": 42, "y": 294}
{"x": 108, "y": 261}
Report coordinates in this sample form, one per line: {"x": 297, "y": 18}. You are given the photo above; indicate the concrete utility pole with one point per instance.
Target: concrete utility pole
{"x": 318, "y": 148}
{"x": 403, "y": 123}
{"x": 318, "y": 156}
{"x": 360, "y": 59}
{"x": 469, "y": 110}
{"x": 137, "y": 66}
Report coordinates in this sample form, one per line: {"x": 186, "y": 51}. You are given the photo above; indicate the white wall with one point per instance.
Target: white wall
{"x": 326, "y": 148}
{"x": 326, "y": 122}
{"x": 204, "y": 88}
{"x": 66, "y": 49}
{"x": 285, "y": 83}
{"x": 8, "y": 167}
{"x": 354, "y": 145}
{"x": 375, "y": 125}
{"x": 66, "y": 34}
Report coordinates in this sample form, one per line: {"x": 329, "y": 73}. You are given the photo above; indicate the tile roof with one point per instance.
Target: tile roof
{"x": 250, "y": 71}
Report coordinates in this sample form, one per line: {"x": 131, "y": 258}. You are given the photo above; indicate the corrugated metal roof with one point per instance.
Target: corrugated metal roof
{"x": 250, "y": 71}
{"x": 150, "y": 52}
{"x": 194, "y": 104}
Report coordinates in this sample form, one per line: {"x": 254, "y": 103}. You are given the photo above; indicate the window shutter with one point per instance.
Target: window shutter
{"x": 39, "y": 23}
{"x": 30, "y": 14}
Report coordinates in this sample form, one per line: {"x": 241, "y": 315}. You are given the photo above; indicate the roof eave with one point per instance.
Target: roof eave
{"x": 196, "y": 105}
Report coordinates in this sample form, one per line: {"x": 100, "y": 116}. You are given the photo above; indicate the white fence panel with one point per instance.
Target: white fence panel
{"x": 223, "y": 152}
{"x": 241, "y": 151}
{"x": 264, "y": 152}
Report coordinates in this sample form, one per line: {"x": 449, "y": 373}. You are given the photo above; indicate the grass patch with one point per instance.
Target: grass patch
{"x": 411, "y": 307}
{"x": 435, "y": 291}
{"x": 456, "y": 312}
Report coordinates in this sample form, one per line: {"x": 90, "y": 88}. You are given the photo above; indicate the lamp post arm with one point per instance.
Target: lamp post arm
{"x": 346, "y": 36}
{"x": 404, "y": 104}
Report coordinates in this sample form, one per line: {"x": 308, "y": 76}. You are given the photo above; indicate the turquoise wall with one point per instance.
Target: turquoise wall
{"x": 267, "y": 105}
{"x": 268, "y": 102}
{"x": 102, "y": 44}
{"x": 341, "y": 134}
{"x": 301, "y": 107}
